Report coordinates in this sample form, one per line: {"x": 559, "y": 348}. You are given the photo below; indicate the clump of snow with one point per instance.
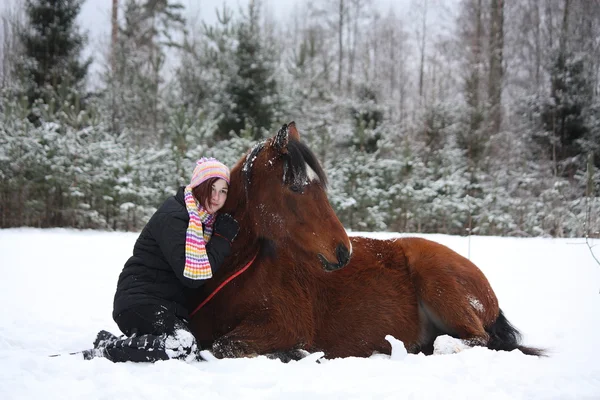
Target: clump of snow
{"x": 181, "y": 344}
{"x": 398, "y": 349}
{"x": 445, "y": 344}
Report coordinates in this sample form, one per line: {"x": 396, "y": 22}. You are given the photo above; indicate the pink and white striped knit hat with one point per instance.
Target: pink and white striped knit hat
{"x": 197, "y": 265}
{"x": 207, "y": 168}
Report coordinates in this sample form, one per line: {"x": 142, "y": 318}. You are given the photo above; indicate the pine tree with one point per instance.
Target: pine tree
{"x": 51, "y": 70}
{"x": 563, "y": 117}
{"x": 310, "y": 98}
{"x": 253, "y": 90}
{"x": 571, "y": 92}
{"x": 367, "y": 115}
{"x": 206, "y": 67}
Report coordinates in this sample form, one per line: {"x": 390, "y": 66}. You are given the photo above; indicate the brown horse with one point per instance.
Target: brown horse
{"x": 301, "y": 293}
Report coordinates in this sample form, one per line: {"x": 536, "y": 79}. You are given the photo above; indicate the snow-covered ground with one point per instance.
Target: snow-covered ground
{"x": 56, "y": 290}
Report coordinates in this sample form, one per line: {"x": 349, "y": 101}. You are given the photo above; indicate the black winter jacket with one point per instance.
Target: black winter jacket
{"x": 154, "y": 274}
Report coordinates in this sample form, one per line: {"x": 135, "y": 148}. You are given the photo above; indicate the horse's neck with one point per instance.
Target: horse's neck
{"x": 243, "y": 249}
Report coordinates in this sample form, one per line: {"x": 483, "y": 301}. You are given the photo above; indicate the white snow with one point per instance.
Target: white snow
{"x": 475, "y": 303}
{"x": 398, "y": 350}
{"x": 57, "y": 286}
{"x": 445, "y": 344}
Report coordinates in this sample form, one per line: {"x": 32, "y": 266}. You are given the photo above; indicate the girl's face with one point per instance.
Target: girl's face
{"x": 218, "y": 195}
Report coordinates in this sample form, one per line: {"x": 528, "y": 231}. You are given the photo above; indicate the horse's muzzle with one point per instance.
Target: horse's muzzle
{"x": 343, "y": 257}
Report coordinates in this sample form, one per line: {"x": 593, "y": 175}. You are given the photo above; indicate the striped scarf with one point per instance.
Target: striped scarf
{"x": 197, "y": 265}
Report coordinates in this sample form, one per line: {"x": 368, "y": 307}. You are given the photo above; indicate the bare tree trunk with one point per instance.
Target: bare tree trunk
{"x": 564, "y": 30}
{"x": 589, "y": 193}
{"x": 5, "y": 51}
{"x": 393, "y": 60}
{"x": 353, "y": 35}
{"x": 422, "y": 50}
{"x": 473, "y": 95}
{"x": 496, "y": 59}
{"x": 375, "y": 62}
{"x": 558, "y": 126}
{"x": 341, "y": 11}
{"x": 114, "y": 34}
{"x": 538, "y": 45}
{"x": 434, "y": 90}
{"x": 12, "y": 23}
{"x": 549, "y": 24}
{"x": 113, "y": 63}
{"x": 155, "y": 65}
{"x": 351, "y": 29}
{"x": 554, "y": 139}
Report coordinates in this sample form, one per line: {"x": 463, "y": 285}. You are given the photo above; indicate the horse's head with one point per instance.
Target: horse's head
{"x": 278, "y": 193}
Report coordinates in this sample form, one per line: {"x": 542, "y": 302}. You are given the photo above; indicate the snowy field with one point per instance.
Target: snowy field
{"x": 57, "y": 286}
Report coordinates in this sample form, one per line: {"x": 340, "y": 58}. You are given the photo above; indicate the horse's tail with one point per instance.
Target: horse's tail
{"x": 504, "y": 336}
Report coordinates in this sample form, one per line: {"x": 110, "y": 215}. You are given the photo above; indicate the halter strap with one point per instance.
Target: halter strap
{"x": 225, "y": 282}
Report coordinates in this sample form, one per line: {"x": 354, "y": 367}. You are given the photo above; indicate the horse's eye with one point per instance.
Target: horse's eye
{"x": 296, "y": 188}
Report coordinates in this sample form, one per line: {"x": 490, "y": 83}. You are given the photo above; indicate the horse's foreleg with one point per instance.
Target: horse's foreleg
{"x": 228, "y": 347}
{"x": 254, "y": 337}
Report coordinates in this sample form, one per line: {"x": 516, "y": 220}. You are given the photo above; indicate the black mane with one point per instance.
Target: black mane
{"x": 296, "y": 159}
{"x": 247, "y": 168}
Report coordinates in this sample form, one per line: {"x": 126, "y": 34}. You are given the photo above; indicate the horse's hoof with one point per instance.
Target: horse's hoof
{"x": 285, "y": 356}
{"x": 225, "y": 348}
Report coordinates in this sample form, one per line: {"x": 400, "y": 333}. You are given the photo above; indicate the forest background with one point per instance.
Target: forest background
{"x": 458, "y": 117}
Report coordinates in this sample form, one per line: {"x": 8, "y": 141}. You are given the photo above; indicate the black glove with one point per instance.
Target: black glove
{"x": 226, "y": 226}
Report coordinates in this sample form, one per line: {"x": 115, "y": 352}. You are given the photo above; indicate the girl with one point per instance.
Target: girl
{"x": 182, "y": 245}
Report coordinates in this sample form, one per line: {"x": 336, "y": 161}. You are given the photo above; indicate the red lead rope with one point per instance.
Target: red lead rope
{"x": 225, "y": 282}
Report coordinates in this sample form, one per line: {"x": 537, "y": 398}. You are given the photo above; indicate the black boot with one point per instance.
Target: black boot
{"x": 103, "y": 338}
{"x": 144, "y": 348}
{"x": 92, "y": 353}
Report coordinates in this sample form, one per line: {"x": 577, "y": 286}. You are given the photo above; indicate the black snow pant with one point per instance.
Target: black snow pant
{"x": 153, "y": 333}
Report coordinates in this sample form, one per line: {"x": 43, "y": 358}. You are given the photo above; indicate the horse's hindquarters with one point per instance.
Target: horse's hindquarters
{"x": 454, "y": 295}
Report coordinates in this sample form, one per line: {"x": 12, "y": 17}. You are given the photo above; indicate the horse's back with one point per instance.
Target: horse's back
{"x": 428, "y": 264}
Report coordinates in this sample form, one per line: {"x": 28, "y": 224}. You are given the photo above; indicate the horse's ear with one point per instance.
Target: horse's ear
{"x": 293, "y": 132}
{"x": 281, "y": 139}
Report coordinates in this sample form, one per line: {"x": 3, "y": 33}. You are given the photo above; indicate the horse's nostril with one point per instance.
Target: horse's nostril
{"x": 343, "y": 255}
